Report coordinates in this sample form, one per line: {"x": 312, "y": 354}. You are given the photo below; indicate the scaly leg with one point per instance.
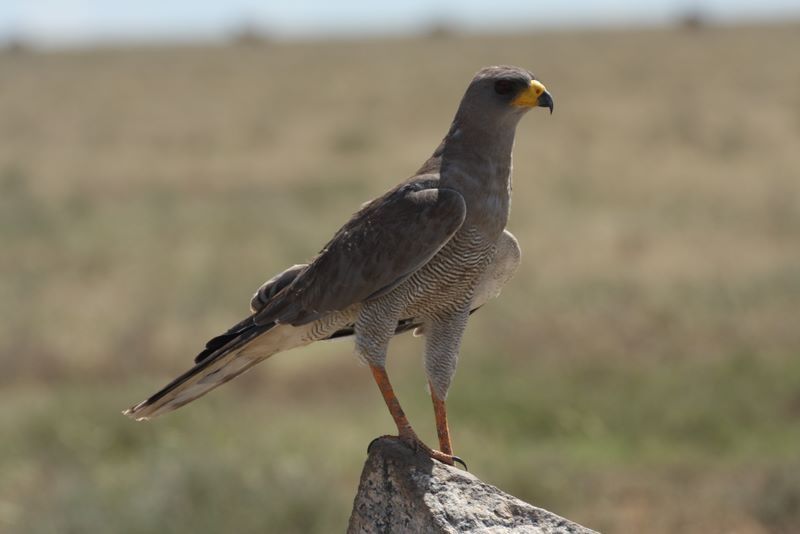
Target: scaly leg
{"x": 443, "y": 431}
{"x": 440, "y": 411}
{"x": 404, "y": 430}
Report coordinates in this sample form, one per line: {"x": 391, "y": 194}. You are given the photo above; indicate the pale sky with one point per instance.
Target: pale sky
{"x": 82, "y": 22}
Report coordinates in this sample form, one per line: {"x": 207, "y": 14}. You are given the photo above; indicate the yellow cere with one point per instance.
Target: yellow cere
{"x": 530, "y": 97}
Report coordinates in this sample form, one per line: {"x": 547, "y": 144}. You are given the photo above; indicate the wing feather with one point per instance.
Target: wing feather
{"x": 384, "y": 243}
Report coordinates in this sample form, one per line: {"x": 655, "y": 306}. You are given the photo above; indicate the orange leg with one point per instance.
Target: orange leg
{"x": 406, "y": 433}
{"x": 403, "y": 426}
{"x": 443, "y": 431}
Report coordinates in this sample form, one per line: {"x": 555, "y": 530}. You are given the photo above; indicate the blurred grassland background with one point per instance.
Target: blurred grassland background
{"x": 641, "y": 373}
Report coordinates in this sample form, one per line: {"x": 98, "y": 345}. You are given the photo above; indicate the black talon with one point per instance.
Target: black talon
{"x": 459, "y": 460}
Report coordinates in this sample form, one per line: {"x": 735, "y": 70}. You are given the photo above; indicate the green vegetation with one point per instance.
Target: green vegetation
{"x": 641, "y": 373}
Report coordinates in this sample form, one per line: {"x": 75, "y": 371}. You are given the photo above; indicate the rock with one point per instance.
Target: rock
{"x": 404, "y": 491}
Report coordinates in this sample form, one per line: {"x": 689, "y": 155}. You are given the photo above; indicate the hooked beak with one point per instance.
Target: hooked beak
{"x": 546, "y": 101}
{"x": 535, "y": 95}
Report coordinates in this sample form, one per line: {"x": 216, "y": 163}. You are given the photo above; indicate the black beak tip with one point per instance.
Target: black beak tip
{"x": 546, "y": 101}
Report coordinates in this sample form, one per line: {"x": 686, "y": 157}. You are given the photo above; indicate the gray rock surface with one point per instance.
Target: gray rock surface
{"x": 404, "y": 491}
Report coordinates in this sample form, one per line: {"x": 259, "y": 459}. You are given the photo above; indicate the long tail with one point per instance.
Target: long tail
{"x": 229, "y": 355}
{"x": 225, "y": 357}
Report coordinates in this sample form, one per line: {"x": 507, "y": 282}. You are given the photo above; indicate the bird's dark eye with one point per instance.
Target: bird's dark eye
{"x": 503, "y": 87}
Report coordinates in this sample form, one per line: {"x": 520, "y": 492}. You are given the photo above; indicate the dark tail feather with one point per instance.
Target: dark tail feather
{"x": 216, "y": 365}
{"x": 216, "y": 343}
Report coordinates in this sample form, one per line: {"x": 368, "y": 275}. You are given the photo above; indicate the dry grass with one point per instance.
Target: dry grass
{"x": 642, "y": 372}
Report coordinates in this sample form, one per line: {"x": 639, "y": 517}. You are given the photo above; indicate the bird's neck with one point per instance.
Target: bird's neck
{"x": 476, "y": 161}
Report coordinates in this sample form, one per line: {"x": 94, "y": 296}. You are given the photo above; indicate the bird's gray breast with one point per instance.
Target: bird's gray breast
{"x": 446, "y": 283}
{"x": 485, "y": 185}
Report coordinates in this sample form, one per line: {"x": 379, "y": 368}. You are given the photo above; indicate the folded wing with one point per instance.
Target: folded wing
{"x": 382, "y": 245}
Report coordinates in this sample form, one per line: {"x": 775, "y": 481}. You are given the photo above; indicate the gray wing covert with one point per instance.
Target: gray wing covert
{"x": 379, "y": 247}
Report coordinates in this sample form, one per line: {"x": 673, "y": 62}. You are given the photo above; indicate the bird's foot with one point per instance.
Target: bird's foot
{"x": 410, "y": 439}
{"x": 416, "y": 444}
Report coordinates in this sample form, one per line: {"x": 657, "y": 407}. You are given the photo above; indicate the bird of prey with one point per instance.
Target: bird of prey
{"x": 423, "y": 256}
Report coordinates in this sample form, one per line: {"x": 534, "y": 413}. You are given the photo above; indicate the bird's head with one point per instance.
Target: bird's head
{"x": 506, "y": 90}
